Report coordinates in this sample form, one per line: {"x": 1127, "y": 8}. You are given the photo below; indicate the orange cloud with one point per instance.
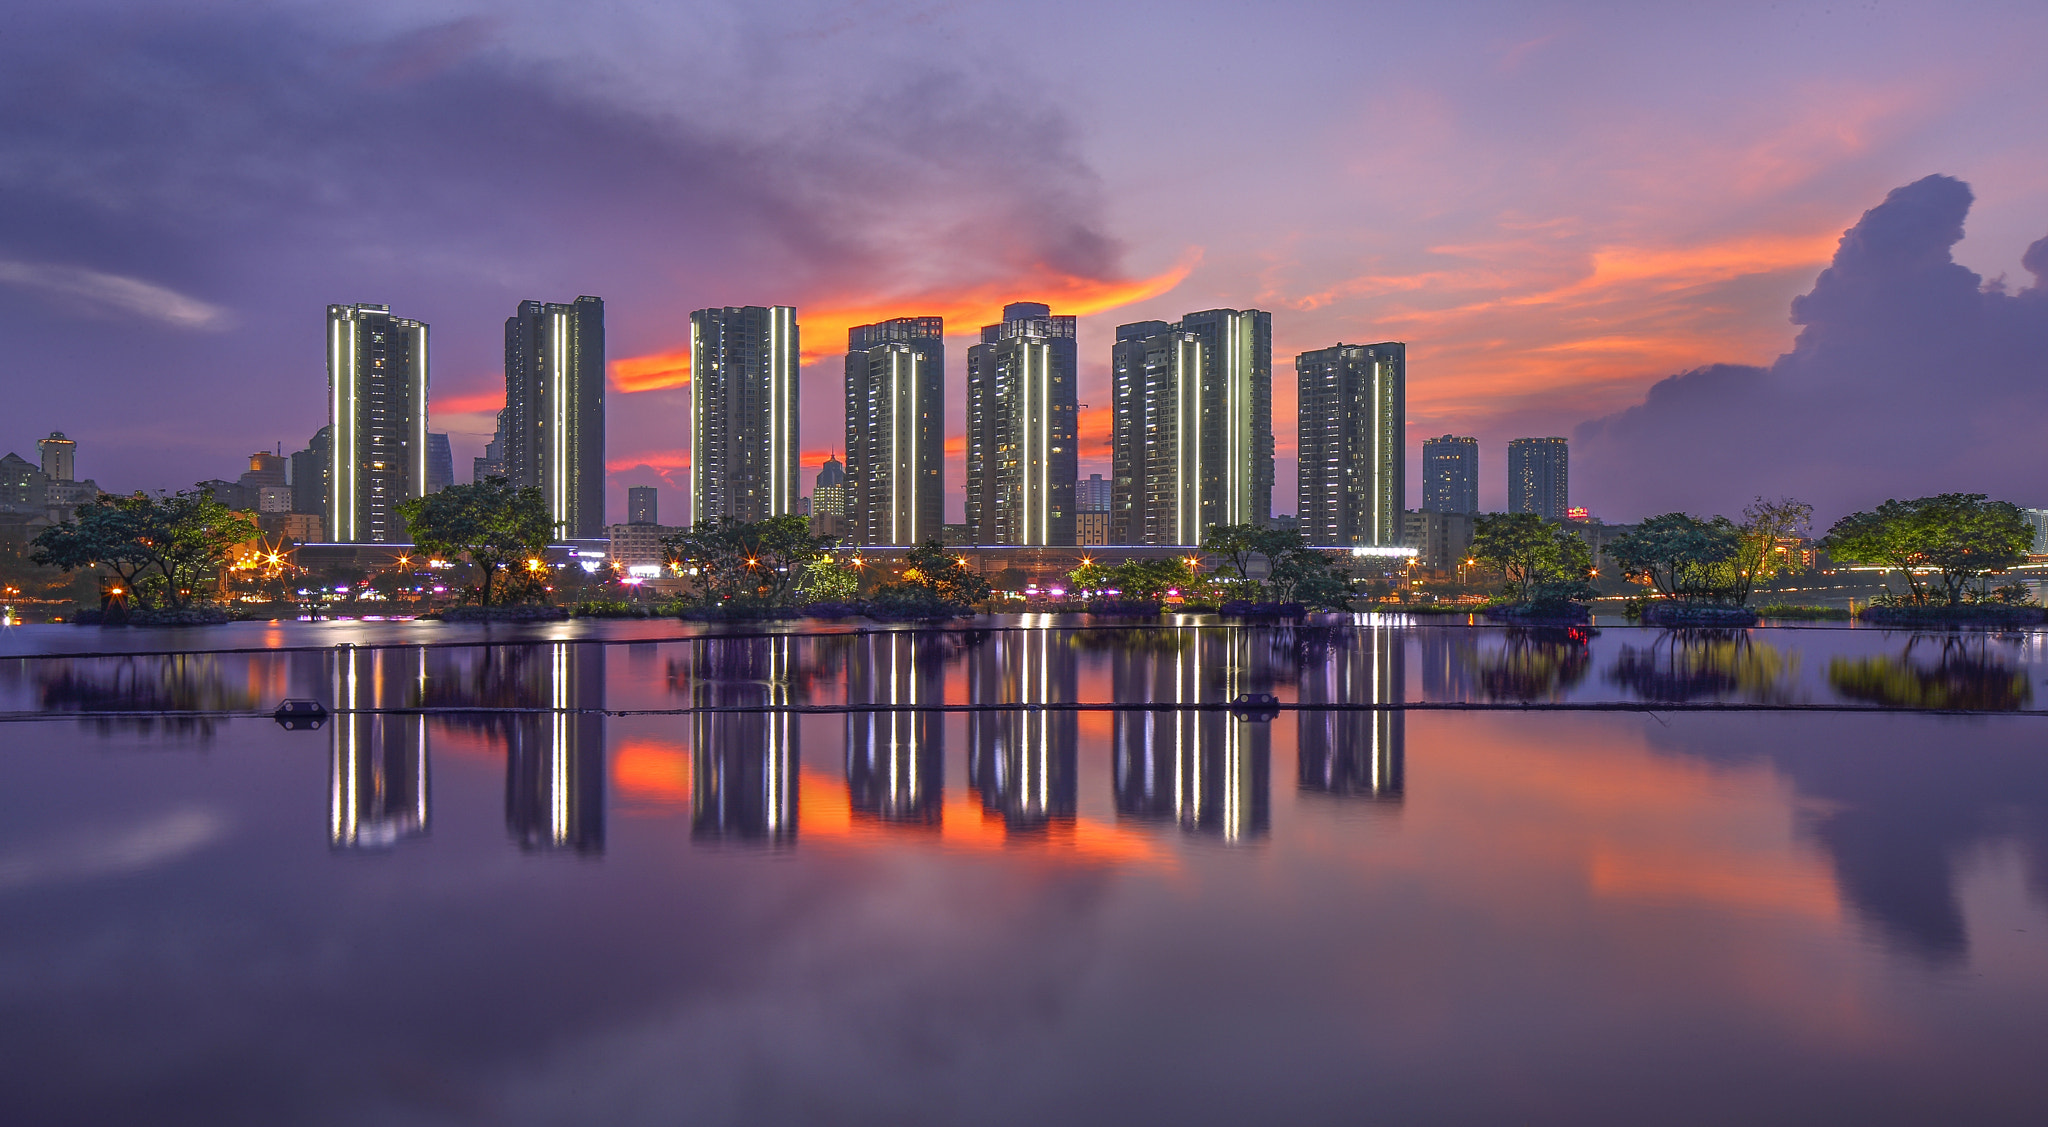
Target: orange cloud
{"x": 824, "y": 327}
{"x": 464, "y": 403}
{"x": 652, "y": 459}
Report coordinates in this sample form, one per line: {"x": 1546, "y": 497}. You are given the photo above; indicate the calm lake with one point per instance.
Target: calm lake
{"x": 613, "y": 873}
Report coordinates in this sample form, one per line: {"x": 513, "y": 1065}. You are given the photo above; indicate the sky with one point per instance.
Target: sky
{"x": 1585, "y": 220}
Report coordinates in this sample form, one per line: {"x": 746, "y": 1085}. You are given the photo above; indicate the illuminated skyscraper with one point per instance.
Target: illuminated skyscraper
{"x": 1539, "y": 477}
{"x": 1021, "y": 439}
{"x": 58, "y": 453}
{"x": 896, "y": 430}
{"x": 1450, "y": 475}
{"x": 1353, "y": 421}
{"x": 743, "y": 412}
{"x": 1193, "y": 426}
{"x": 377, "y": 412}
{"x": 554, "y": 409}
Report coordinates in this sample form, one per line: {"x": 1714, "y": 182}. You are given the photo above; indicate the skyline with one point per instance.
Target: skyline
{"x": 1553, "y": 218}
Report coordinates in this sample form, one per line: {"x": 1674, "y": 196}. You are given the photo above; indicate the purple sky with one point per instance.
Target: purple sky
{"x": 1556, "y": 206}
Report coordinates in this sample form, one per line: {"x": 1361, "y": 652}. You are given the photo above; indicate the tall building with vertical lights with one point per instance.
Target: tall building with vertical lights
{"x": 1022, "y": 441}
{"x": 896, "y": 430}
{"x": 1450, "y": 475}
{"x": 1539, "y": 477}
{"x": 377, "y": 415}
{"x": 1353, "y": 474}
{"x": 554, "y": 409}
{"x": 743, "y": 412}
{"x": 1192, "y": 438}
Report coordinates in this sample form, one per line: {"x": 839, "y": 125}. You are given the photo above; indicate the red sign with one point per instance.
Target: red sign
{"x": 1578, "y": 513}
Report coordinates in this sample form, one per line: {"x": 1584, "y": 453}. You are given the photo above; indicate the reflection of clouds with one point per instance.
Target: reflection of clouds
{"x": 143, "y": 846}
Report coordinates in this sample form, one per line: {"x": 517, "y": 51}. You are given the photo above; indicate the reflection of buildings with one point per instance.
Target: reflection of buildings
{"x": 1023, "y": 761}
{"x": 377, "y": 772}
{"x": 1354, "y": 751}
{"x": 744, "y": 764}
{"x": 1448, "y": 657}
{"x": 554, "y": 761}
{"x": 895, "y": 761}
{"x": 1208, "y": 771}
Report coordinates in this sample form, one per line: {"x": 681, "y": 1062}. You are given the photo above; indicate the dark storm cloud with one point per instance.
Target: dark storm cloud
{"x": 163, "y": 174}
{"x": 1910, "y": 377}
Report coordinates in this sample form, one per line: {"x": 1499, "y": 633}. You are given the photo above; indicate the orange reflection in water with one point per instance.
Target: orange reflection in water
{"x": 651, "y": 771}
{"x": 1678, "y": 878}
{"x": 825, "y": 813}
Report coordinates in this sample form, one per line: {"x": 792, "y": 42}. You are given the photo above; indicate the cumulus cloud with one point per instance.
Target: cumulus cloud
{"x": 1910, "y": 376}
{"x": 115, "y": 293}
{"x": 281, "y": 159}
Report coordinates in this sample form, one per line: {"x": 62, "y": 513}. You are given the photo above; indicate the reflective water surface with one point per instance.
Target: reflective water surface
{"x": 579, "y": 874}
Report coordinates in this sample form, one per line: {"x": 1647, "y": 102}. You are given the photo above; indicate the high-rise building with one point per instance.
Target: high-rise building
{"x": 642, "y": 504}
{"x": 743, "y": 412}
{"x": 1450, "y": 475}
{"x": 58, "y": 452}
{"x": 1353, "y": 473}
{"x": 828, "y": 495}
{"x": 1192, "y": 441}
{"x": 1092, "y": 495}
{"x": 440, "y": 462}
{"x": 308, "y": 474}
{"x": 896, "y": 430}
{"x": 1022, "y": 445}
{"x": 554, "y": 406}
{"x": 1539, "y": 477}
{"x": 492, "y": 464}
{"x": 377, "y": 407}
{"x": 265, "y": 469}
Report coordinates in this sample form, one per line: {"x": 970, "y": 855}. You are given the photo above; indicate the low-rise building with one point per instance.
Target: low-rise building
{"x": 638, "y": 545}
{"x": 1440, "y": 540}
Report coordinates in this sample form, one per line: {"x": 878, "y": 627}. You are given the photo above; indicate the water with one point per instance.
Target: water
{"x": 587, "y": 906}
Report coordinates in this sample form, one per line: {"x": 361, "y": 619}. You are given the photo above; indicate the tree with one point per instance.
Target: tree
{"x": 1152, "y": 579}
{"x": 759, "y": 563}
{"x": 1683, "y": 556}
{"x": 828, "y": 579}
{"x": 1541, "y": 562}
{"x": 161, "y": 545}
{"x": 1961, "y": 537}
{"x": 493, "y": 524}
{"x": 1766, "y": 525}
{"x": 1303, "y": 575}
{"x": 944, "y": 574}
{"x": 1239, "y": 544}
{"x": 1089, "y": 576}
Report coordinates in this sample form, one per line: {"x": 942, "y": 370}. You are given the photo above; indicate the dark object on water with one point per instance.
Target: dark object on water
{"x": 1255, "y": 706}
{"x": 301, "y": 715}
